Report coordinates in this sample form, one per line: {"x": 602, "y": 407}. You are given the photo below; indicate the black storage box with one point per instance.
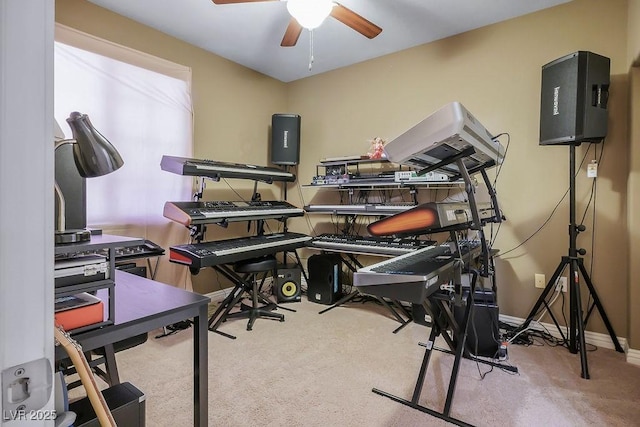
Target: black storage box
{"x": 126, "y": 402}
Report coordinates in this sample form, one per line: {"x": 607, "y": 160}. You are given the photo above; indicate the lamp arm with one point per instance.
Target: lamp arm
{"x": 61, "y": 226}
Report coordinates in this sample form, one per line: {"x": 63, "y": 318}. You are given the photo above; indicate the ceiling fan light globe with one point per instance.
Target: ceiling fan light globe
{"x": 310, "y": 13}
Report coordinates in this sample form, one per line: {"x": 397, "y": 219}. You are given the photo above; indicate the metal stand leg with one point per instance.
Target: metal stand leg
{"x": 576, "y": 340}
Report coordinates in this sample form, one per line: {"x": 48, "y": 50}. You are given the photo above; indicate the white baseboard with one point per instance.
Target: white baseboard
{"x": 633, "y": 356}
{"x": 595, "y": 338}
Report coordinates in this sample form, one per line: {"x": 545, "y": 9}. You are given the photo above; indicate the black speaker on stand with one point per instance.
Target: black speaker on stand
{"x": 573, "y": 101}
{"x": 574, "y": 110}
{"x": 285, "y": 139}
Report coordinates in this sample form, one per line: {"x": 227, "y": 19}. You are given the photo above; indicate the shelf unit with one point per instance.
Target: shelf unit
{"x": 347, "y": 175}
{"x": 98, "y": 242}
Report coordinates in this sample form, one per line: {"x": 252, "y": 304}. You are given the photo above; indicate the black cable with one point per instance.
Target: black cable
{"x": 506, "y": 150}
{"x": 550, "y": 215}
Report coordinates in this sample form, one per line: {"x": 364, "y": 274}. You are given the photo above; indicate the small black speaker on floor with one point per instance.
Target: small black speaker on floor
{"x": 573, "y": 102}
{"x": 287, "y": 286}
{"x": 325, "y": 278}
{"x": 285, "y": 139}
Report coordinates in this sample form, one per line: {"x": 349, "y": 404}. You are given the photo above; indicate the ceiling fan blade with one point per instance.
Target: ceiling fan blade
{"x": 292, "y": 34}
{"x": 355, "y": 21}
{"x": 238, "y": 1}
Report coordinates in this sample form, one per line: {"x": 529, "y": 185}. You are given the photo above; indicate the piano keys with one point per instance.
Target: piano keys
{"x": 413, "y": 277}
{"x": 367, "y": 245}
{"x": 216, "y": 212}
{"x": 431, "y": 217}
{"x": 376, "y": 209}
{"x": 209, "y": 254}
{"x": 216, "y": 169}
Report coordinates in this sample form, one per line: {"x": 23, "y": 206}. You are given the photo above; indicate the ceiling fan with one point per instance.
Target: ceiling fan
{"x": 311, "y": 13}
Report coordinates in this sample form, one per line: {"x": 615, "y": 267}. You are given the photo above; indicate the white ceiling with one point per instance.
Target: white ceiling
{"x": 250, "y": 33}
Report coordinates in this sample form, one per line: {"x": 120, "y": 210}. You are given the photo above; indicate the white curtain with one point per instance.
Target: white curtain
{"x": 144, "y": 114}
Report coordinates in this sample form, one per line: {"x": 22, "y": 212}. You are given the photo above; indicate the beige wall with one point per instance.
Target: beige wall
{"x": 633, "y": 38}
{"x": 494, "y": 71}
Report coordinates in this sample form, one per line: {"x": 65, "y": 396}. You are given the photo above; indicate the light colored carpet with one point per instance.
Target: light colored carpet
{"x": 319, "y": 369}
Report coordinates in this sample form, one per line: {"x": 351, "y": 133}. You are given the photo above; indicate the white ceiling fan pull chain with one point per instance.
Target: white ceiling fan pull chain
{"x": 310, "y": 49}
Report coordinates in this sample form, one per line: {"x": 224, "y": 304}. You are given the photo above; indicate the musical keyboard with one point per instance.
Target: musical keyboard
{"x": 367, "y": 245}
{"x": 431, "y": 217}
{"x": 216, "y": 169}
{"x": 413, "y": 277}
{"x": 193, "y": 213}
{"x": 208, "y": 254}
{"x": 376, "y": 209}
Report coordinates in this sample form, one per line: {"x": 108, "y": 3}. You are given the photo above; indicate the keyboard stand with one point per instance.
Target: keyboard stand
{"x": 454, "y": 334}
{"x": 353, "y": 266}
{"x": 222, "y": 313}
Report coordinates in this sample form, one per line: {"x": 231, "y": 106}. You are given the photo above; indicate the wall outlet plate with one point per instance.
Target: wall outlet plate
{"x": 26, "y": 387}
{"x": 561, "y": 284}
{"x": 539, "y": 281}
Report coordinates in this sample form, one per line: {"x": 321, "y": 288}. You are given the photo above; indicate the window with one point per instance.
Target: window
{"x": 145, "y": 112}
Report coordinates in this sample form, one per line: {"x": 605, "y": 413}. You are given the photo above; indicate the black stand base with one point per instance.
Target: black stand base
{"x": 575, "y": 341}
{"x": 422, "y": 408}
{"x": 576, "y": 268}
{"x": 252, "y": 312}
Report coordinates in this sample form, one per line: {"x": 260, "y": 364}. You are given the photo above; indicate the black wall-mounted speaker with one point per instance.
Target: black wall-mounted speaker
{"x": 573, "y": 102}
{"x": 287, "y": 287}
{"x": 285, "y": 139}
{"x": 325, "y": 278}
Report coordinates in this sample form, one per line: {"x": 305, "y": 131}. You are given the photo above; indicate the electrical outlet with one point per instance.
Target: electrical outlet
{"x": 539, "y": 281}
{"x": 562, "y": 284}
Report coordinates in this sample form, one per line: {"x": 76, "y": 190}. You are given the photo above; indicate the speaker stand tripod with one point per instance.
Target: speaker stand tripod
{"x": 576, "y": 340}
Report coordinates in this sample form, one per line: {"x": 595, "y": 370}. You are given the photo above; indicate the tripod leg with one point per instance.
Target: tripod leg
{"x": 598, "y": 304}
{"x": 576, "y": 317}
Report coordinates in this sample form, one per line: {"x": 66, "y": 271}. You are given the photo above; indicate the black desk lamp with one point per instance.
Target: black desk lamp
{"x": 94, "y": 156}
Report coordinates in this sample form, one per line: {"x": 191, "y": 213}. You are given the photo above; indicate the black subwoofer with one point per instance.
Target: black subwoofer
{"x": 573, "y": 102}
{"x": 287, "y": 286}
{"x": 325, "y": 278}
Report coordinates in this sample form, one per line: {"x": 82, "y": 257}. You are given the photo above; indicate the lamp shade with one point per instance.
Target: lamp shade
{"x": 310, "y": 13}
{"x": 93, "y": 153}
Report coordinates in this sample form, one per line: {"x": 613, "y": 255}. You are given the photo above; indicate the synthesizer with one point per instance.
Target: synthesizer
{"x": 376, "y": 209}
{"x": 414, "y": 276}
{"x": 209, "y": 254}
{"x": 367, "y": 245}
{"x": 437, "y": 140}
{"x": 194, "y": 213}
{"x": 216, "y": 169}
{"x": 430, "y": 217}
